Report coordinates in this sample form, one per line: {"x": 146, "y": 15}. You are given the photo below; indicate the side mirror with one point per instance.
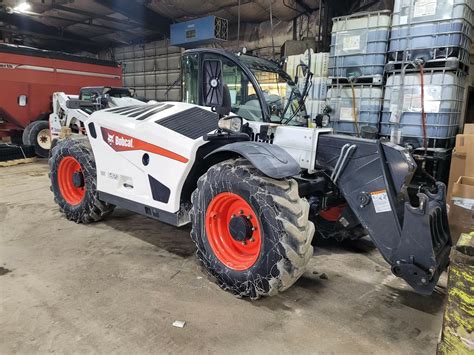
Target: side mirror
{"x": 212, "y": 83}
{"x": 76, "y": 104}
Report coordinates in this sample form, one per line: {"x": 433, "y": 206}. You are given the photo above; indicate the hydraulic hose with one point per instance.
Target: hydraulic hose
{"x": 420, "y": 64}
{"x": 354, "y": 109}
{"x": 423, "y": 113}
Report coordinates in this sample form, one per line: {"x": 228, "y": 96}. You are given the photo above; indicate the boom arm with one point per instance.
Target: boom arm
{"x": 373, "y": 176}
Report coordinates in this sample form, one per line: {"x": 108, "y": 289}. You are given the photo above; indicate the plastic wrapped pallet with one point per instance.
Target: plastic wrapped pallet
{"x": 319, "y": 63}
{"x": 315, "y": 107}
{"x": 319, "y": 89}
{"x": 291, "y": 64}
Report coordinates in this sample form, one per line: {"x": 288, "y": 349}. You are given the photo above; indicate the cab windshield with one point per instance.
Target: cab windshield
{"x": 280, "y": 93}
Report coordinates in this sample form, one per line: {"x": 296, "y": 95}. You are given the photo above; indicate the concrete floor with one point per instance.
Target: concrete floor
{"x": 118, "y": 285}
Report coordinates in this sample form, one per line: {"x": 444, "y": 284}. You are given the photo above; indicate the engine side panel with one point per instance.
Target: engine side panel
{"x": 141, "y": 160}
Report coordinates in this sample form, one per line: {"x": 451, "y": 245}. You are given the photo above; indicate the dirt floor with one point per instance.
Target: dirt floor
{"x": 118, "y": 285}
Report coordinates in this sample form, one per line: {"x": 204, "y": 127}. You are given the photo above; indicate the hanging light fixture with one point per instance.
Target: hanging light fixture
{"x": 22, "y": 7}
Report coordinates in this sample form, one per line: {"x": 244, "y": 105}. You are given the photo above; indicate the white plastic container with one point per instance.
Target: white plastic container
{"x": 431, "y": 30}
{"x": 359, "y": 44}
{"x": 443, "y": 100}
{"x": 368, "y": 105}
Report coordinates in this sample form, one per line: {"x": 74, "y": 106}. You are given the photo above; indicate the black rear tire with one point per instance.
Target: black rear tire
{"x": 283, "y": 217}
{"x": 37, "y": 135}
{"x": 90, "y": 208}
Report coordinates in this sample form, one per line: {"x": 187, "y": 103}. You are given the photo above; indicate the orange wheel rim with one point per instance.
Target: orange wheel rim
{"x": 233, "y": 231}
{"x": 72, "y": 192}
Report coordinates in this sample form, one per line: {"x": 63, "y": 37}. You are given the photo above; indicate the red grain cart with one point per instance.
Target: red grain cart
{"x": 28, "y": 79}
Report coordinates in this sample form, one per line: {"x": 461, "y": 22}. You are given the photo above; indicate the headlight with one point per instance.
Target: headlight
{"x": 230, "y": 124}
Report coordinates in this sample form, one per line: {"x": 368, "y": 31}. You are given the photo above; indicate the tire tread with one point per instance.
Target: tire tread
{"x": 292, "y": 213}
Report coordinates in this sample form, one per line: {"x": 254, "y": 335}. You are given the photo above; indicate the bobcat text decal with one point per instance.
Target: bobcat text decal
{"x": 121, "y": 142}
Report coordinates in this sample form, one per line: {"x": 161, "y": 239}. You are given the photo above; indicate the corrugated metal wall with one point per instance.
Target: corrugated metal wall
{"x": 153, "y": 69}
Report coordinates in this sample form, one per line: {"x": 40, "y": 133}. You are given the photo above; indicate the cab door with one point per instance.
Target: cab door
{"x": 244, "y": 99}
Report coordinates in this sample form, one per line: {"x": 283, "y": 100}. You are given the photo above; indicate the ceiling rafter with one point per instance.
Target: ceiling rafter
{"x": 27, "y": 26}
{"x": 148, "y": 18}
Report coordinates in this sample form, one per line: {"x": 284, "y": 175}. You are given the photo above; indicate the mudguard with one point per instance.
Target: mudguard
{"x": 271, "y": 160}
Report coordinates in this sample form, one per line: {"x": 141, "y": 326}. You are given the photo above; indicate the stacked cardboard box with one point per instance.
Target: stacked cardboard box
{"x": 461, "y": 184}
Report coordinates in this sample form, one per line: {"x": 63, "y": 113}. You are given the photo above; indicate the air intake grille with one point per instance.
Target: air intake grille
{"x": 193, "y": 123}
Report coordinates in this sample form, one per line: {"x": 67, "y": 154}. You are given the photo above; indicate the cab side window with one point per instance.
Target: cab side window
{"x": 190, "y": 79}
{"x": 243, "y": 97}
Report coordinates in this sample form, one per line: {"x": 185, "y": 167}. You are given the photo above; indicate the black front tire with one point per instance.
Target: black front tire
{"x": 90, "y": 209}
{"x": 35, "y": 133}
{"x": 283, "y": 216}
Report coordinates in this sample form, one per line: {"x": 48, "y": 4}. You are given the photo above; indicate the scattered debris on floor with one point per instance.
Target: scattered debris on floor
{"x": 4, "y": 271}
{"x": 179, "y": 323}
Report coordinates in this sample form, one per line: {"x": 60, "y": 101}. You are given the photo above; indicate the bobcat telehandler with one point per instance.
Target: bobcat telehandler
{"x": 237, "y": 162}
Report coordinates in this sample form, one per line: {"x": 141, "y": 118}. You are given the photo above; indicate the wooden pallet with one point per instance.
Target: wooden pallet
{"x": 17, "y": 162}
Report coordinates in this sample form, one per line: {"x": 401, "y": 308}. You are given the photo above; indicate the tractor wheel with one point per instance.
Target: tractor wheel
{"x": 252, "y": 232}
{"x": 37, "y": 134}
{"x": 74, "y": 182}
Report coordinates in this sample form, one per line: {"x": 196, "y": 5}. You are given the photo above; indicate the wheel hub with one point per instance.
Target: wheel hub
{"x": 240, "y": 228}
{"x": 43, "y": 138}
{"x": 78, "y": 179}
{"x": 233, "y": 231}
{"x": 71, "y": 180}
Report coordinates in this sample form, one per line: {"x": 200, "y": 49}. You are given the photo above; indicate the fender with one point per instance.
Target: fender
{"x": 271, "y": 160}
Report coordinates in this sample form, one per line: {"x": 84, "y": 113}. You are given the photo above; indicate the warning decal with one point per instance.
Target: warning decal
{"x": 381, "y": 201}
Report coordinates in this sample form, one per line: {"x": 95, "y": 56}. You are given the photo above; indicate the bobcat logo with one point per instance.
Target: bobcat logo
{"x": 110, "y": 138}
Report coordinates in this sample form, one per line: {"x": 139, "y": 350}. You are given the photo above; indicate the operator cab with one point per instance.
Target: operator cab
{"x": 260, "y": 90}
